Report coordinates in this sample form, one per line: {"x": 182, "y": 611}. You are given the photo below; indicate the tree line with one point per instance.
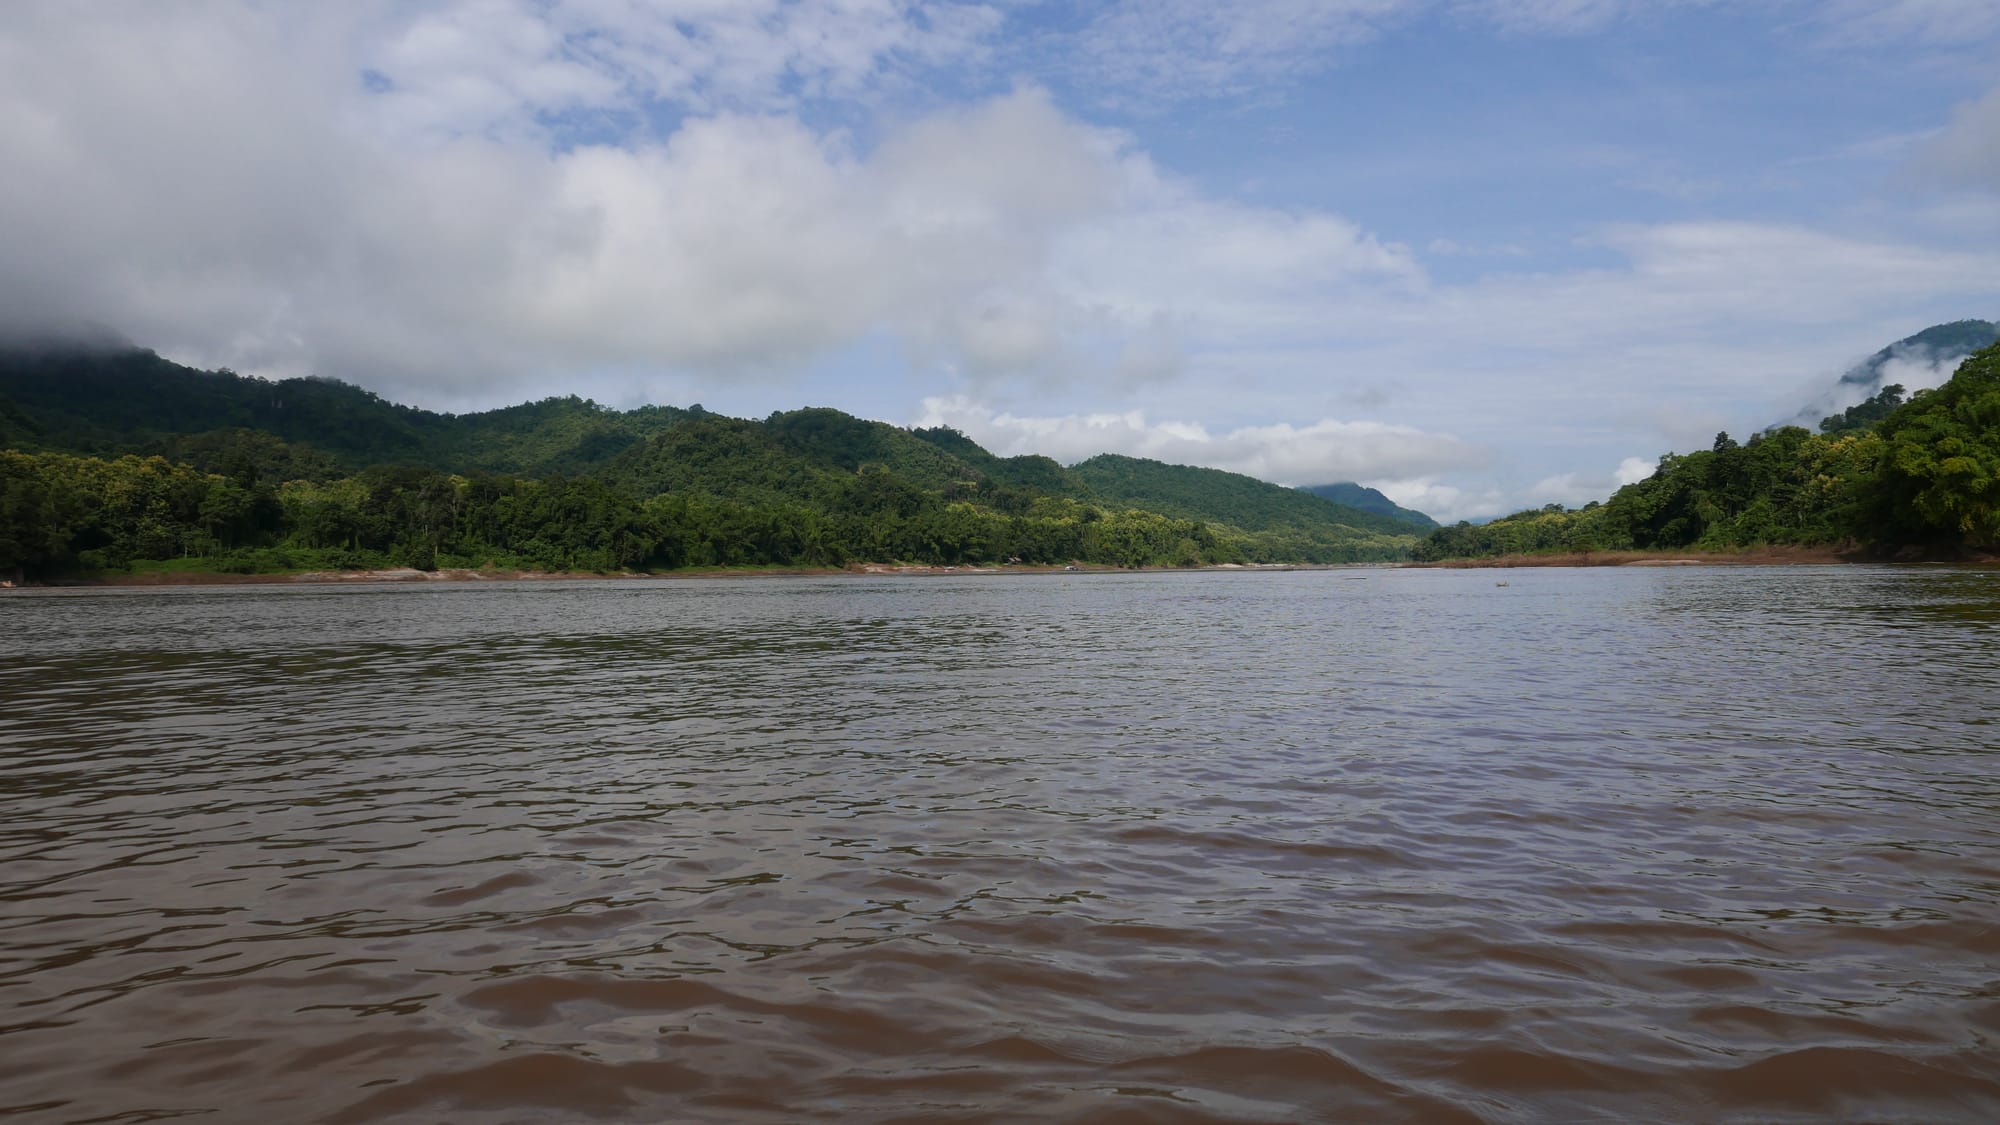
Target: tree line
{"x": 62, "y": 514}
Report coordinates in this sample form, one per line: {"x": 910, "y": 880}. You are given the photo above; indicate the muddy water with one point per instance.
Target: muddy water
{"x": 1366, "y": 845}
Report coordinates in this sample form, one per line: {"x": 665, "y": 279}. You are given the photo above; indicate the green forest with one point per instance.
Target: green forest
{"x": 116, "y": 461}
{"x": 1915, "y": 474}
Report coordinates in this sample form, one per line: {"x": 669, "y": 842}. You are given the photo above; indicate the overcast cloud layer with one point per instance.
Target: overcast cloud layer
{"x": 1263, "y": 236}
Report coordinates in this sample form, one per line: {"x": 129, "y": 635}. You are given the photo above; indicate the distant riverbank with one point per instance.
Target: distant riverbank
{"x": 464, "y": 574}
{"x": 1758, "y": 556}
{"x": 1754, "y": 556}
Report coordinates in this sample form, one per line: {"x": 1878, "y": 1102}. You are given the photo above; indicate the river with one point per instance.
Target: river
{"x": 1358, "y": 845}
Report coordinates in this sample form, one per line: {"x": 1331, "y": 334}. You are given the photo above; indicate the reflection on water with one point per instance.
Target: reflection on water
{"x": 1612, "y": 844}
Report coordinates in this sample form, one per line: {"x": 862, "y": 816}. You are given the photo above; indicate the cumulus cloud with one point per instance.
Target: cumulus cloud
{"x": 1320, "y": 453}
{"x": 217, "y": 183}
{"x": 1632, "y": 470}
{"x": 1573, "y": 490}
{"x": 1445, "y": 503}
{"x": 345, "y": 193}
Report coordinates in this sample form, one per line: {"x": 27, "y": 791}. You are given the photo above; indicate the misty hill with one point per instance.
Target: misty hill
{"x": 1370, "y": 500}
{"x": 1919, "y": 360}
{"x": 1940, "y": 343}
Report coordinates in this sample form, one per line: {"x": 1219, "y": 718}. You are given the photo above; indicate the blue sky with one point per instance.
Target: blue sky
{"x": 1479, "y": 253}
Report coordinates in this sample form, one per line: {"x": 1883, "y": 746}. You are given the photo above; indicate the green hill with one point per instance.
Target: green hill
{"x": 111, "y": 402}
{"x": 839, "y": 441}
{"x": 111, "y": 458}
{"x": 721, "y": 458}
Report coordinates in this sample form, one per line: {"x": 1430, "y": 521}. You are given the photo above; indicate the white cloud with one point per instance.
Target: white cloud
{"x": 1444, "y": 503}
{"x": 1320, "y": 453}
{"x": 1632, "y": 470}
{"x": 209, "y": 186}
{"x": 226, "y": 189}
{"x": 1573, "y": 490}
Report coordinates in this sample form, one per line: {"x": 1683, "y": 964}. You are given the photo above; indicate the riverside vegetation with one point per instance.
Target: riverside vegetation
{"x": 117, "y": 460}
{"x": 1892, "y": 474}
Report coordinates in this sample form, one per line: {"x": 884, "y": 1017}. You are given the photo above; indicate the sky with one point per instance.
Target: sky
{"x": 1481, "y": 254}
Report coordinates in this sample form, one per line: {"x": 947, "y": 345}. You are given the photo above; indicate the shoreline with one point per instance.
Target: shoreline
{"x": 1757, "y": 556}
{"x": 1754, "y": 556}
{"x": 410, "y": 575}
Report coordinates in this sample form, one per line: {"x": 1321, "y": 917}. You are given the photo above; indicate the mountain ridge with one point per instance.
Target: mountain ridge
{"x": 261, "y": 470}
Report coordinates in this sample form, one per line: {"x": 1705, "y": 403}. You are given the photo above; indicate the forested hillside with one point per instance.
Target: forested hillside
{"x": 1287, "y": 514}
{"x": 132, "y": 401}
{"x": 122, "y": 459}
{"x": 1888, "y": 474}
{"x": 1211, "y": 493}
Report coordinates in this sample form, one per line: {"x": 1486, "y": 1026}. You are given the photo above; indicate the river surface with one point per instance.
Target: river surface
{"x": 1366, "y": 845}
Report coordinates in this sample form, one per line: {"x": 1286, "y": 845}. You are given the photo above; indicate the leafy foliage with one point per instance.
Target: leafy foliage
{"x": 1940, "y": 470}
{"x": 1866, "y": 414}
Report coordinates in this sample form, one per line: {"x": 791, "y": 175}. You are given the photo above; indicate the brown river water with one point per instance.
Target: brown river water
{"x": 1369, "y": 845}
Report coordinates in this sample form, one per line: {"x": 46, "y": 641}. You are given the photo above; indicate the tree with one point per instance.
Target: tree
{"x": 1940, "y": 470}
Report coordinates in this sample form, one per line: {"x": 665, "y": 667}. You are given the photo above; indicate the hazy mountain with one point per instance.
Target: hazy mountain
{"x": 1369, "y": 500}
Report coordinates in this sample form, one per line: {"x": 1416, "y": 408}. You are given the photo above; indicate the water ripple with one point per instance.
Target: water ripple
{"x": 1598, "y": 845}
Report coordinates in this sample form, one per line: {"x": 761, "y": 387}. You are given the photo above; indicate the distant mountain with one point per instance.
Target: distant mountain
{"x": 1369, "y": 500}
